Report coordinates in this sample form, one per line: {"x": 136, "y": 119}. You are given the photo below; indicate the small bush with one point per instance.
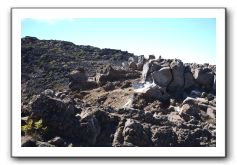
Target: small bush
{"x": 33, "y": 128}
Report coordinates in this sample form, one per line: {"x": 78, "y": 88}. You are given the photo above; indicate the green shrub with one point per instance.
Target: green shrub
{"x": 34, "y": 127}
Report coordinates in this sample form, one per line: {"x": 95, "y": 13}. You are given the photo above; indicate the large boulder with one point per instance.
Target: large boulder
{"x": 78, "y": 76}
{"x": 59, "y": 116}
{"x": 162, "y": 77}
{"x": 177, "y": 68}
{"x": 78, "y": 80}
{"x": 204, "y": 77}
{"x": 155, "y": 93}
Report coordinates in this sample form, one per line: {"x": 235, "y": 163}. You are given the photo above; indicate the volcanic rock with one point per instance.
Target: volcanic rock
{"x": 177, "y": 70}
{"x": 162, "y": 77}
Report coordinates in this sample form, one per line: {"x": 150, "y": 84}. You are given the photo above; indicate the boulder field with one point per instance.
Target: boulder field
{"x": 128, "y": 101}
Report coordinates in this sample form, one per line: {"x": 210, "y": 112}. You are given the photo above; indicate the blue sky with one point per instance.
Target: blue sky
{"x": 188, "y": 39}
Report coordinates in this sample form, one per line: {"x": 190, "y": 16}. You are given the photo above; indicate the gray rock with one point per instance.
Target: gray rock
{"x": 133, "y": 59}
{"x": 89, "y": 130}
{"x": 135, "y": 134}
{"x": 162, "y": 77}
{"x": 163, "y": 136}
{"x": 141, "y": 59}
{"x": 156, "y": 93}
{"x": 58, "y": 142}
{"x": 188, "y": 79}
{"x": 195, "y": 93}
{"x": 199, "y": 138}
{"x": 204, "y": 77}
{"x": 191, "y": 110}
{"x": 118, "y": 137}
{"x": 125, "y": 65}
{"x": 78, "y": 76}
{"x": 78, "y": 80}
{"x": 110, "y": 74}
{"x": 58, "y": 115}
{"x": 177, "y": 68}
{"x": 48, "y": 92}
{"x": 152, "y": 57}
{"x": 27, "y": 141}
{"x": 139, "y": 66}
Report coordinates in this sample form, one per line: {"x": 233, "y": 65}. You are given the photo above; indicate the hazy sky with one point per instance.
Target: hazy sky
{"x": 191, "y": 40}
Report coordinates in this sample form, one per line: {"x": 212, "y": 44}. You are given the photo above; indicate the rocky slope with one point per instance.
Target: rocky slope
{"x": 85, "y": 96}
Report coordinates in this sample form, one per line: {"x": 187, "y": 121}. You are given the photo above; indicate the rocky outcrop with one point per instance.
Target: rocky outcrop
{"x": 72, "y": 98}
{"x": 178, "y": 78}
